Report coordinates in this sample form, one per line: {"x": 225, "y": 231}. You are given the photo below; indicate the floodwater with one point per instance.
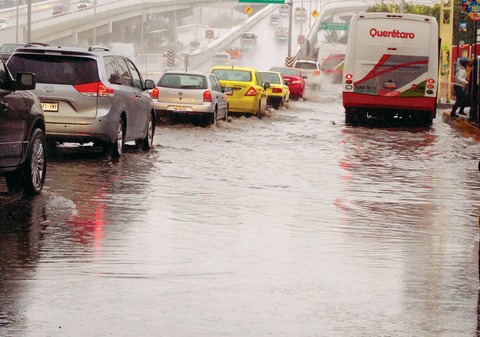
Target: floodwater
{"x": 292, "y": 225}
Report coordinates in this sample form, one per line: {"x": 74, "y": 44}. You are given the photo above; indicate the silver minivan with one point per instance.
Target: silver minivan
{"x": 89, "y": 95}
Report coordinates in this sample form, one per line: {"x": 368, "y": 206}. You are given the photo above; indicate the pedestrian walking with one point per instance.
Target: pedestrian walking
{"x": 459, "y": 87}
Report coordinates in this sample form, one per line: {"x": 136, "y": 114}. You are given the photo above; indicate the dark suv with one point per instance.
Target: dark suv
{"x": 89, "y": 95}
{"x": 22, "y": 134}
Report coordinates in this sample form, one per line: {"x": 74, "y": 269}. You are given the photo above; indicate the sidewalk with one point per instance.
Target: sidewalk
{"x": 461, "y": 123}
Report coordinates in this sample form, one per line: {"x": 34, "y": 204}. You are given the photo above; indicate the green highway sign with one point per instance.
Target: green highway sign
{"x": 264, "y": 1}
{"x": 334, "y": 26}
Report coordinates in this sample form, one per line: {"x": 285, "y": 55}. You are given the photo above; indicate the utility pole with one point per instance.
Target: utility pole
{"x": 290, "y": 15}
{"x": 29, "y": 21}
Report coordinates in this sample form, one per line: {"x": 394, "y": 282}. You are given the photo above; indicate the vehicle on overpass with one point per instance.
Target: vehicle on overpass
{"x": 391, "y": 68}
{"x": 284, "y": 9}
{"x": 248, "y": 40}
{"x": 221, "y": 59}
{"x": 82, "y": 4}
{"x": 300, "y": 13}
{"x": 281, "y": 33}
{"x": 275, "y": 19}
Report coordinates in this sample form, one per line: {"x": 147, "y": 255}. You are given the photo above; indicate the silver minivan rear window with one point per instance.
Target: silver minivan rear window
{"x": 55, "y": 69}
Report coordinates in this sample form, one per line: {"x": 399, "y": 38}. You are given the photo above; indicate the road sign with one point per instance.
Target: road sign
{"x": 289, "y": 62}
{"x": 315, "y": 13}
{"x": 248, "y": 10}
{"x": 171, "y": 59}
{"x": 301, "y": 39}
{"x": 209, "y": 34}
{"x": 334, "y": 26}
{"x": 264, "y": 1}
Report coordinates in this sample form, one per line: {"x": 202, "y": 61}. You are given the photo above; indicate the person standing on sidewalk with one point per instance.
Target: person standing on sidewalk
{"x": 459, "y": 87}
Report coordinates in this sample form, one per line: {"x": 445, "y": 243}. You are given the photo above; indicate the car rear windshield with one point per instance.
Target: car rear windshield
{"x": 183, "y": 81}
{"x": 270, "y": 78}
{"x": 54, "y": 69}
{"x": 233, "y": 75}
{"x": 305, "y": 65}
{"x": 286, "y": 71}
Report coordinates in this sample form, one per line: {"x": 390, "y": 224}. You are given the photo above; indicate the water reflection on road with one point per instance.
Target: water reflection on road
{"x": 293, "y": 225}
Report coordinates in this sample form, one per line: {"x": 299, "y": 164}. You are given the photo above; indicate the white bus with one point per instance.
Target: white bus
{"x": 391, "y": 68}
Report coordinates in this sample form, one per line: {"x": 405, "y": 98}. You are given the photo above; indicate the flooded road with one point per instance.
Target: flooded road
{"x": 292, "y": 225}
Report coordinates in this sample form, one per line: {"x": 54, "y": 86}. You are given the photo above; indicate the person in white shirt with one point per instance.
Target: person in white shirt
{"x": 459, "y": 87}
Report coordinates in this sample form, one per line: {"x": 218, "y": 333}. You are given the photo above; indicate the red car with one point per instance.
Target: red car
{"x": 294, "y": 79}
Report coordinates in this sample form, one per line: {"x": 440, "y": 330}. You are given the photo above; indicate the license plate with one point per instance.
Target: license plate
{"x": 52, "y": 107}
{"x": 180, "y": 109}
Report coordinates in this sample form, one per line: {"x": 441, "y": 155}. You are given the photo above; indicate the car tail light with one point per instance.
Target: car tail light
{"x": 251, "y": 92}
{"x": 97, "y": 89}
{"x": 154, "y": 93}
{"x": 207, "y": 96}
{"x": 277, "y": 90}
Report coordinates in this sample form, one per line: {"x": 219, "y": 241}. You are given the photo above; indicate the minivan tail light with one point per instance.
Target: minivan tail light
{"x": 207, "y": 96}
{"x": 251, "y": 92}
{"x": 97, "y": 89}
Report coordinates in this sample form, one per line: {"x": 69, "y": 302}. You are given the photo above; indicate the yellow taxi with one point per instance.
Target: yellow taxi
{"x": 278, "y": 92}
{"x": 246, "y": 93}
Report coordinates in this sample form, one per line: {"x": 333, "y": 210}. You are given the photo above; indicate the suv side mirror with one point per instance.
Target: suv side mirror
{"x": 227, "y": 90}
{"x": 266, "y": 86}
{"x": 25, "y": 81}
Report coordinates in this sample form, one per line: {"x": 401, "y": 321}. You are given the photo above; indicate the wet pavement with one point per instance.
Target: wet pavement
{"x": 292, "y": 225}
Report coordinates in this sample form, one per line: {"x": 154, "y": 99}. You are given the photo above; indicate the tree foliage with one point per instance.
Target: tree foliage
{"x": 408, "y": 8}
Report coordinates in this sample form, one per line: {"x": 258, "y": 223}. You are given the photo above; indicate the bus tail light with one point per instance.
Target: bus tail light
{"x": 349, "y": 78}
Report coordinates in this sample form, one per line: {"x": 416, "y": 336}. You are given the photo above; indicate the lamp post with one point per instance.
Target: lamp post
{"x": 29, "y": 21}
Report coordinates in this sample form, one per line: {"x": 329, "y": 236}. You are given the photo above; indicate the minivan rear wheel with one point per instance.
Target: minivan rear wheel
{"x": 147, "y": 142}
{"x": 117, "y": 147}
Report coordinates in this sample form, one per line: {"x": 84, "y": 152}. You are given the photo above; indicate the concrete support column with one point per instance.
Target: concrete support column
{"x": 172, "y": 30}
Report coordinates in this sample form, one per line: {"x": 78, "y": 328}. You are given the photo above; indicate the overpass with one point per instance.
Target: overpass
{"x": 82, "y": 27}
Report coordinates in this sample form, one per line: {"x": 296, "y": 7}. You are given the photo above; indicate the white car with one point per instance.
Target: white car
{"x": 192, "y": 94}
{"x": 4, "y": 23}
{"x": 221, "y": 59}
{"x": 85, "y": 4}
{"x": 311, "y": 69}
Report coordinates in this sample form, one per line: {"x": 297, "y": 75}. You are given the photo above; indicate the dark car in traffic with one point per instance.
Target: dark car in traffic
{"x": 23, "y": 160}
